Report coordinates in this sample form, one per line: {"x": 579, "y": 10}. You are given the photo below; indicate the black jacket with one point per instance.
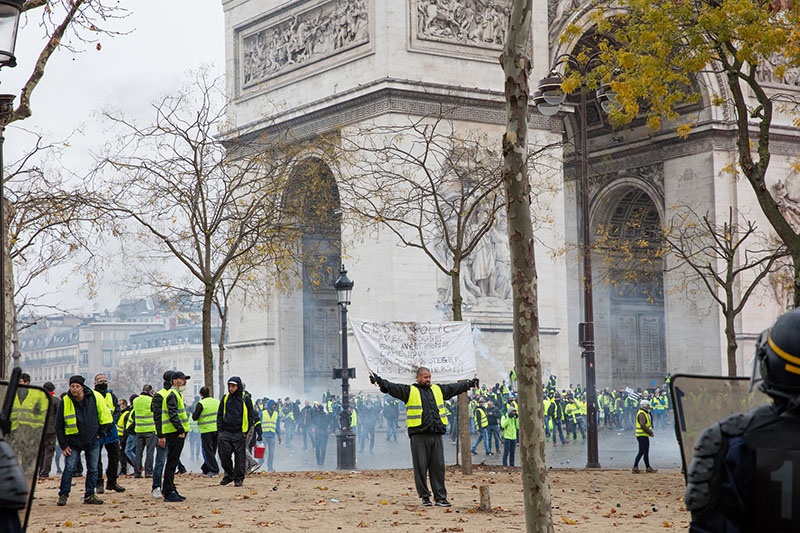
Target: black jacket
{"x": 89, "y": 428}
{"x": 431, "y": 422}
{"x": 229, "y": 416}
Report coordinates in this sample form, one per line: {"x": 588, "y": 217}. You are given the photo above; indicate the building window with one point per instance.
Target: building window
{"x": 84, "y": 358}
{"x": 108, "y": 357}
{"x": 198, "y": 365}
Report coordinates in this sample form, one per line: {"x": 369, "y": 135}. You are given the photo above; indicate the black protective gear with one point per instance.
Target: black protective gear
{"x": 373, "y": 378}
{"x": 476, "y": 383}
{"x": 778, "y": 356}
{"x": 13, "y": 485}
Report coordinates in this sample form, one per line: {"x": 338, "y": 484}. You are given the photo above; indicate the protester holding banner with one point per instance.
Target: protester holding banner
{"x": 426, "y": 419}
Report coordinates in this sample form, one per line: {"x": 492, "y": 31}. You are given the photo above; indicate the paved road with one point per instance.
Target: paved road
{"x": 616, "y": 449}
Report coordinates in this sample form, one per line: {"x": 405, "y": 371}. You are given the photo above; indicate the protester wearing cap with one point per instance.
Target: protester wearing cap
{"x": 156, "y": 406}
{"x": 49, "y": 449}
{"x": 171, "y": 430}
{"x": 82, "y": 421}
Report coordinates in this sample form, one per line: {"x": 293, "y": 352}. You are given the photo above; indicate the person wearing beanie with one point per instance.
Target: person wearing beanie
{"x": 644, "y": 432}
{"x": 111, "y": 441}
{"x": 82, "y": 422}
{"x": 48, "y": 451}
{"x": 156, "y": 406}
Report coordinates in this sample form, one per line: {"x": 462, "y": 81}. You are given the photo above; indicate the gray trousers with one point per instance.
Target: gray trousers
{"x": 427, "y": 457}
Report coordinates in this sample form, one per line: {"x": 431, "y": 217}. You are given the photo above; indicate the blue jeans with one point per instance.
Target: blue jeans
{"x": 483, "y": 435}
{"x": 269, "y": 440}
{"x": 158, "y": 467}
{"x": 92, "y": 457}
{"x": 130, "y": 449}
{"x": 493, "y": 435}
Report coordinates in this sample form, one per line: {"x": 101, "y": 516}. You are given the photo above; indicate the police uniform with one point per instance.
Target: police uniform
{"x": 744, "y": 473}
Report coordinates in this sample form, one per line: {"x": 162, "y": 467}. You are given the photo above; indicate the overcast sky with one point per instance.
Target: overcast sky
{"x": 167, "y": 39}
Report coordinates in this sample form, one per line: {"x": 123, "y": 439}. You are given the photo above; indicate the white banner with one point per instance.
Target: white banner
{"x": 394, "y": 350}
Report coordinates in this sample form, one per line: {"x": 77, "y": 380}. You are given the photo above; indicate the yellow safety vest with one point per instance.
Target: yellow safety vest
{"x": 71, "y": 419}
{"x": 244, "y": 412}
{"x": 483, "y": 421}
{"x": 29, "y": 412}
{"x": 640, "y": 432}
{"x": 166, "y": 425}
{"x": 142, "y": 415}
{"x": 122, "y": 421}
{"x": 269, "y": 422}
{"x": 207, "y": 423}
{"x": 414, "y": 406}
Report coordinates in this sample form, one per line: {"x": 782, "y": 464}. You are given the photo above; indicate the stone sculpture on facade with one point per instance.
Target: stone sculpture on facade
{"x": 305, "y": 37}
{"x": 788, "y": 202}
{"x": 766, "y": 72}
{"x": 473, "y": 22}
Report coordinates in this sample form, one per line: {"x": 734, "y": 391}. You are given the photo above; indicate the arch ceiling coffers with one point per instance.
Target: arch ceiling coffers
{"x": 608, "y": 190}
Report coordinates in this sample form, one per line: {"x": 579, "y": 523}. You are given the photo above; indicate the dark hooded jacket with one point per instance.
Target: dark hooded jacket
{"x": 229, "y": 416}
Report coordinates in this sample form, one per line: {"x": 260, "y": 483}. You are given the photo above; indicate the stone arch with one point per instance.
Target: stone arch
{"x": 629, "y": 286}
{"x": 311, "y": 200}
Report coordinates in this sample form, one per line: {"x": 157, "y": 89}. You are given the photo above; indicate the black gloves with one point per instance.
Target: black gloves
{"x": 374, "y": 378}
{"x": 476, "y": 383}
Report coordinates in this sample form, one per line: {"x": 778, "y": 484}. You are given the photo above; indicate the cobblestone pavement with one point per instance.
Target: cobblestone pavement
{"x": 616, "y": 450}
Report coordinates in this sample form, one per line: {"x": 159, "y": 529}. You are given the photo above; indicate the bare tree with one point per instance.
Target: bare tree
{"x": 437, "y": 189}
{"x": 516, "y": 65}
{"x": 199, "y": 202}
{"x": 730, "y": 259}
{"x": 70, "y": 25}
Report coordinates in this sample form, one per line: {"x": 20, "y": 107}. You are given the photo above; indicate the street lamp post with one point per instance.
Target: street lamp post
{"x": 9, "y": 23}
{"x": 549, "y": 99}
{"x": 345, "y": 439}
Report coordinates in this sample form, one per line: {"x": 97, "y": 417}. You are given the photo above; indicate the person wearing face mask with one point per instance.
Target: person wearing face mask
{"x": 110, "y": 441}
{"x": 172, "y": 428}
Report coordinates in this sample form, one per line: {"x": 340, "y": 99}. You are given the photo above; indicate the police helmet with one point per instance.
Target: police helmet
{"x": 778, "y": 357}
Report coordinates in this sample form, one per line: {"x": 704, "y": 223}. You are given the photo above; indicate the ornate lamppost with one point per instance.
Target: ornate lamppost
{"x": 10, "y": 11}
{"x": 549, "y": 99}
{"x": 345, "y": 439}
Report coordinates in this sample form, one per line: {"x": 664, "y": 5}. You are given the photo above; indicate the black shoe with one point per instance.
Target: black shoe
{"x": 99, "y": 489}
{"x": 115, "y": 487}
{"x": 226, "y": 480}
{"x": 62, "y": 500}
{"x": 173, "y": 497}
{"x": 238, "y": 483}
{"x": 442, "y": 503}
{"x": 92, "y": 500}
{"x": 426, "y": 502}
{"x": 181, "y": 496}
{"x": 181, "y": 470}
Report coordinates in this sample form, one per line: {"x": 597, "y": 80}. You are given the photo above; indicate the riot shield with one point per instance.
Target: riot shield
{"x": 27, "y": 422}
{"x": 699, "y": 401}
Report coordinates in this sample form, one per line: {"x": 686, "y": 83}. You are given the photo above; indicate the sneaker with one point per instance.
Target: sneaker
{"x": 115, "y": 487}
{"x": 442, "y": 503}
{"x": 172, "y": 497}
{"x": 651, "y": 470}
{"x": 99, "y": 489}
{"x": 474, "y": 452}
{"x": 238, "y": 483}
{"x": 92, "y": 500}
{"x": 156, "y": 492}
{"x": 62, "y": 500}
{"x": 253, "y": 469}
{"x": 426, "y": 502}
{"x": 635, "y": 470}
{"x": 226, "y": 480}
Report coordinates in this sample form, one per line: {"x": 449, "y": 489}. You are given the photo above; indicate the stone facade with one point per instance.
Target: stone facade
{"x": 302, "y": 68}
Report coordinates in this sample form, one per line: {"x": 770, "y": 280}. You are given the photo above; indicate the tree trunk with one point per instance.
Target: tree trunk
{"x": 463, "y": 399}
{"x": 730, "y": 337}
{"x": 221, "y": 348}
{"x": 208, "y": 352}
{"x": 516, "y": 67}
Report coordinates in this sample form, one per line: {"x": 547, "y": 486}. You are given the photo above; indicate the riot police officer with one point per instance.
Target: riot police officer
{"x": 744, "y": 467}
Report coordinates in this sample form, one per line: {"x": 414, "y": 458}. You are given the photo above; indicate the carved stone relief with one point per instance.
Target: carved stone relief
{"x": 652, "y": 174}
{"x": 766, "y": 72}
{"x": 304, "y": 37}
{"x": 480, "y": 23}
{"x": 788, "y": 199}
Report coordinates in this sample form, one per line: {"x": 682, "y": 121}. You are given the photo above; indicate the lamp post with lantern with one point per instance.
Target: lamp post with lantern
{"x": 345, "y": 438}
{"x": 549, "y": 99}
{"x": 10, "y": 11}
